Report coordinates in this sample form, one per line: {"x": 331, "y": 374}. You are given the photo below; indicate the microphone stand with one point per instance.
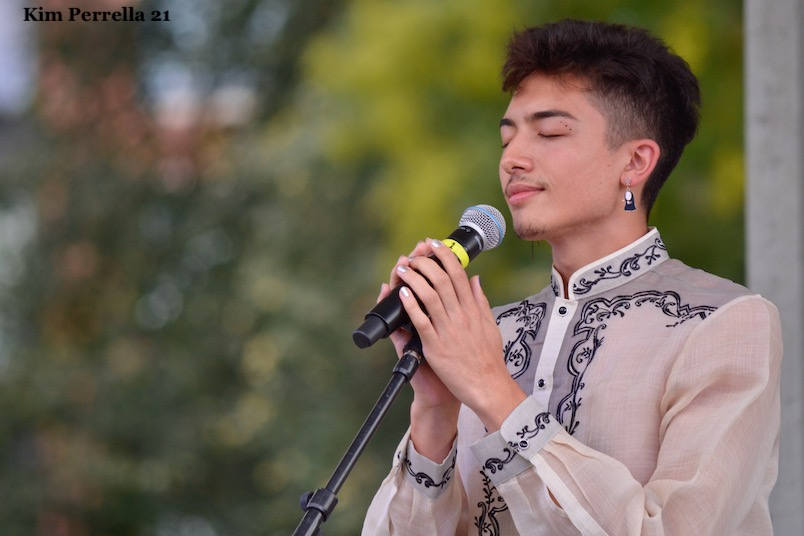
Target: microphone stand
{"x": 319, "y": 504}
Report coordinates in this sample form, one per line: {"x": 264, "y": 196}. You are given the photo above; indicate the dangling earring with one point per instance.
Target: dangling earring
{"x": 629, "y": 196}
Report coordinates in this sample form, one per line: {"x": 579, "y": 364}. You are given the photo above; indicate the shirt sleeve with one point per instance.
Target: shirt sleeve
{"x": 718, "y": 454}
{"x": 418, "y": 497}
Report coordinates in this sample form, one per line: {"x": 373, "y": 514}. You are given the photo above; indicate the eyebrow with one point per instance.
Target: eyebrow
{"x": 538, "y": 116}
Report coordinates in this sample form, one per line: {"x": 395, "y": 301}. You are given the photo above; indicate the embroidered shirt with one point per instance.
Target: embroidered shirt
{"x": 653, "y": 408}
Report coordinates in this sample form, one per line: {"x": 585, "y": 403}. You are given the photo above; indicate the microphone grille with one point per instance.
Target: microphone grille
{"x": 486, "y": 220}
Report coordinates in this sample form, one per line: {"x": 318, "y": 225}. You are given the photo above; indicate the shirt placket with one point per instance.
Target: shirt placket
{"x": 560, "y": 317}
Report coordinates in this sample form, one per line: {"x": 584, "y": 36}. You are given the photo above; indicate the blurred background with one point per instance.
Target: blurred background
{"x": 196, "y": 213}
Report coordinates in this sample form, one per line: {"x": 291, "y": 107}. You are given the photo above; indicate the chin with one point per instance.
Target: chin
{"x": 530, "y": 231}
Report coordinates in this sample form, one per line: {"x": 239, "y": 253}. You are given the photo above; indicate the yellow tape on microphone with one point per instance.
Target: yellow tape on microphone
{"x": 458, "y": 250}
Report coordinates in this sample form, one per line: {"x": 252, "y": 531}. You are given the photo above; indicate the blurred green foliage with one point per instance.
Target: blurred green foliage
{"x": 177, "y": 335}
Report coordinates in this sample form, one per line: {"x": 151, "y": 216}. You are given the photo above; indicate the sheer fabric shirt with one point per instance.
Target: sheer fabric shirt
{"x": 653, "y": 408}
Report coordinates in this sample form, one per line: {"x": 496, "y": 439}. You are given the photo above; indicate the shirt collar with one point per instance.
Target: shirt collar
{"x": 615, "y": 269}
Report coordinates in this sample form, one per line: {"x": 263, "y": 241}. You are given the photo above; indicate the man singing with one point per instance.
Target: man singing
{"x": 634, "y": 394}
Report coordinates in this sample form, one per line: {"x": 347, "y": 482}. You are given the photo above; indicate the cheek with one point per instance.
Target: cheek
{"x": 601, "y": 192}
{"x": 595, "y": 172}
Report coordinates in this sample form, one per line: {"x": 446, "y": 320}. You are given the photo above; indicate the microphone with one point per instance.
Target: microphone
{"x": 481, "y": 227}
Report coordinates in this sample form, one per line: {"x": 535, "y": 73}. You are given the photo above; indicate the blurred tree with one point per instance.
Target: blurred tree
{"x": 215, "y": 200}
{"x": 157, "y": 379}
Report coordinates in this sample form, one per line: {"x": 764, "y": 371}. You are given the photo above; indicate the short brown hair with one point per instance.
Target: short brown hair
{"x": 642, "y": 88}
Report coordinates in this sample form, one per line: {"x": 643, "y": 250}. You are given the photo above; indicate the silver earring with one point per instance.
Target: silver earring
{"x": 629, "y": 196}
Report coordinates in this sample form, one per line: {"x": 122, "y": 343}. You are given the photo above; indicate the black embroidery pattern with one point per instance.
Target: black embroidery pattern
{"x": 497, "y": 464}
{"x": 539, "y": 423}
{"x": 593, "y": 320}
{"x": 518, "y": 350}
{"x": 426, "y": 480}
{"x": 492, "y": 505}
{"x": 554, "y": 286}
{"x": 628, "y": 266}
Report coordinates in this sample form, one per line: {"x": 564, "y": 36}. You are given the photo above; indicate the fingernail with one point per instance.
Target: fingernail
{"x": 436, "y": 243}
{"x": 401, "y": 269}
{"x": 405, "y": 292}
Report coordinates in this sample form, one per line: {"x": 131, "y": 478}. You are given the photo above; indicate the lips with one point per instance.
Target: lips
{"x": 519, "y": 192}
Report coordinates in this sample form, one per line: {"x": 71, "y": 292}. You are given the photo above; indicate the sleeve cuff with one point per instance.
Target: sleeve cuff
{"x": 506, "y": 453}
{"x": 426, "y": 476}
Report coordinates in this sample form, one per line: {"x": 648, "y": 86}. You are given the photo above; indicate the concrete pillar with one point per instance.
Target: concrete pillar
{"x": 774, "y": 89}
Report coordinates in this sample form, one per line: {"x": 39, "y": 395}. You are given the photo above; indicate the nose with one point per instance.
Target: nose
{"x": 514, "y": 158}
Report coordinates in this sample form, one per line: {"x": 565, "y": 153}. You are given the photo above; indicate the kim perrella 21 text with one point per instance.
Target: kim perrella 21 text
{"x": 77, "y": 14}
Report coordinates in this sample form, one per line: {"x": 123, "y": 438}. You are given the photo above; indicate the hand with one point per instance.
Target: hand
{"x": 430, "y": 391}
{"x": 434, "y": 412}
{"x": 460, "y": 338}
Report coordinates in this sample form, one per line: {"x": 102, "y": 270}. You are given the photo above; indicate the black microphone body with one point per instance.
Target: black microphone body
{"x": 389, "y": 314}
{"x": 467, "y": 241}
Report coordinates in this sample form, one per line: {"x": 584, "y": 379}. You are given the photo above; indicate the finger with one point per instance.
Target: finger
{"x": 417, "y": 316}
{"x": 433, "y": 287}
{"x": 385, "y": 289}
{"x": 414, "y": 275}
{"x": 480, "y": 297}
{"x": 421, "y": 249}
{"x": 418, "y": 279}
{"x": 456, "y": 272}
{"x": 394, "y": 279}
{"x": 399, "y": 338}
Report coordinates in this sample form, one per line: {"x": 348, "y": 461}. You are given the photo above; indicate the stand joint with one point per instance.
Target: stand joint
{"x": 322, "y": 500}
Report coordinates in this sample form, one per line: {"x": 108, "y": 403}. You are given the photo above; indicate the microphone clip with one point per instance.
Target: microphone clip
{"x": 412, "y": 357}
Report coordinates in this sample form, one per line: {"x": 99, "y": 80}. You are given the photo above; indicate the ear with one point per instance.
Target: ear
{"x": 643, "y": 155}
